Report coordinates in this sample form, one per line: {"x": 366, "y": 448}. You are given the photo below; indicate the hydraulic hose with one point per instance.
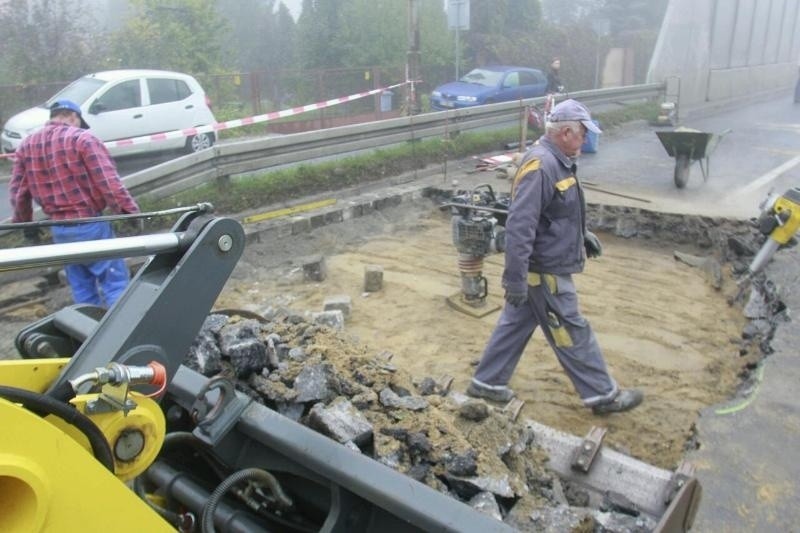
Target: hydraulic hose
{"x": 175, "y": 438}
{"x": 43, "y": 404}
{"x": 170, "y": 516}
{"x": 187, "y": 438}
{"x": 207, "y": 519}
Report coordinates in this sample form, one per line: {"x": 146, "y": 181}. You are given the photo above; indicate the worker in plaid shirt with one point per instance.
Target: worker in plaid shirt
{"x": 70, "y": 174}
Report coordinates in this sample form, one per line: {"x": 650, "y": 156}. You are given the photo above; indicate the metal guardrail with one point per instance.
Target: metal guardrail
{"x": 225, "y": 160}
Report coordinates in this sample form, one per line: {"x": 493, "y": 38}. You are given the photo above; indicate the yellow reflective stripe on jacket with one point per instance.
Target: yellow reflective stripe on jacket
{"x": 566, "y": 183}
{"x": 535, "y": 279}
{"x": 530, "y": 166}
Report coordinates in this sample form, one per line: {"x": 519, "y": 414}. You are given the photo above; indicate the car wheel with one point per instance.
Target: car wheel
{"x": 199, "y": 142}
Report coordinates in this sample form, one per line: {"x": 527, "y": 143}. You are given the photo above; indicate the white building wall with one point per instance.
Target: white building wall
{"x": 725, "y": 49}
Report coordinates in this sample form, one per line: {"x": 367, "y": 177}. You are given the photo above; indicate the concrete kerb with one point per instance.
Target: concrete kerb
{"x": 347, "y": 209}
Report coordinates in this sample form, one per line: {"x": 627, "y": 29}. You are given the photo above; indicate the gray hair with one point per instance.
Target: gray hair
{"x": 552, "y": 127}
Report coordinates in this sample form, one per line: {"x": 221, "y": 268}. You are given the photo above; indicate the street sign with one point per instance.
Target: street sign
{"x": 458, "y": 14}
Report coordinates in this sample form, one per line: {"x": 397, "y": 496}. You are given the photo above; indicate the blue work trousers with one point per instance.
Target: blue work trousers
{"x": 553, "y": 304}
{"x": 100, "y": 282}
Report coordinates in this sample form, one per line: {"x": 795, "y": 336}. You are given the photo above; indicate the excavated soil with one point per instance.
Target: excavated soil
{"x": 663, "y": 326}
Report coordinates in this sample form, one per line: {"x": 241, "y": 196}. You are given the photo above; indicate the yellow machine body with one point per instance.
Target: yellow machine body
{"x": 34, "y": 375}
{"x": 787, "y": 203}
{"x": 49, "y": 480}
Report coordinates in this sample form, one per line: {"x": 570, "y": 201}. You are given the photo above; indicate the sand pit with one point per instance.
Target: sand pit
{"x": 663, "y": 327}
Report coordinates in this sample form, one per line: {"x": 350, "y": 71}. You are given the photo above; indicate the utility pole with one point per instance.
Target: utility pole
{"x": 458, "y": 38}
{"x": 412, "y": 59}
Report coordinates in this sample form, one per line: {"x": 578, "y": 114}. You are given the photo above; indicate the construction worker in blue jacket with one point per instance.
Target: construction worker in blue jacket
{"x": 546, "y": 242}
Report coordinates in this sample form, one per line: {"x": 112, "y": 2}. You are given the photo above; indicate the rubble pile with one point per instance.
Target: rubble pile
{"x": 304, "y": 367}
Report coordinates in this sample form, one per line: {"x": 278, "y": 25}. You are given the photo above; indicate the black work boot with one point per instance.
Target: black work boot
{"x": 495, "y": 393}
{"x": 626, "y": 400}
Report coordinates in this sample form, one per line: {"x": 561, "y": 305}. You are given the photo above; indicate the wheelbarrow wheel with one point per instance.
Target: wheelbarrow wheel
{"x": 682, "y": 165}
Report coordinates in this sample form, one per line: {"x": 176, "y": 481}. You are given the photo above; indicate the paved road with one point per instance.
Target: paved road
{"x": 761, "y": 152}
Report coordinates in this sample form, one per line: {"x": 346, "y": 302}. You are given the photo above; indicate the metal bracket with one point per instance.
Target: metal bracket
{"x": 683, "y": 473}
{"x": 215, "y": 420}
{"x": 513, "y": 408}
{"x": 584, "y": 455}
{"x": 109, "y": 404}
{"x": 682, "y": 495}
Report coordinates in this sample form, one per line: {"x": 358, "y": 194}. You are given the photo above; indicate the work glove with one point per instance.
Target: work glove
{"x": 32, "y": 235}
{"x": 516, "y": 298}
{"x": 592, "y": 245}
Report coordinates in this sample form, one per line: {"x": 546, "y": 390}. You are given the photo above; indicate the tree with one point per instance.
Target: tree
{"x": 261, "y": 37}
{"x": 43, "y": 41}
{"x": 317, "y": 28}
{"x": 498, "y": 25}
{"x": 565, "y": 13}
{"x": 523, "y": 15}
{"x": 363, "y": 33}
{"x": 633, "y": 15}
{"x": 181, "y": 35}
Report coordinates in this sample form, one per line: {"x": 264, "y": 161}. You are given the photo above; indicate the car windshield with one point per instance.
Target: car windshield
{"x": 77, "y": 91}
{"x": 489, "y": 78}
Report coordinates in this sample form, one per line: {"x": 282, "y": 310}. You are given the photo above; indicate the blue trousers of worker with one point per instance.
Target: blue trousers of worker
{"x": 100, "y": 282}
{"x": 553, "y": 304}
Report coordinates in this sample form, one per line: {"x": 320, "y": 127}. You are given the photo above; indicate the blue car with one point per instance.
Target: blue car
{"x": 488, "y": 85}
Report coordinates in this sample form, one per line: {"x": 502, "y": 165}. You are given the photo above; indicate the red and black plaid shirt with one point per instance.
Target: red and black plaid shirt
{"x": 69, "y": 173}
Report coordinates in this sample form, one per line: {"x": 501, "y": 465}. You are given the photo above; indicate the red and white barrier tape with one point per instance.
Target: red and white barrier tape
{"x": 218, "y": 126}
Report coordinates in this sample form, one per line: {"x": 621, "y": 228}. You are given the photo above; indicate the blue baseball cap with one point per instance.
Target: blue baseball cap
{"x": 68, "y": 105}
{"x": 572, "y": 110}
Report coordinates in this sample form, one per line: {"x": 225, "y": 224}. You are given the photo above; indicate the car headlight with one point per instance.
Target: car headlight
{"x": 468, "y": 99}
{"x": 436, "y": 94}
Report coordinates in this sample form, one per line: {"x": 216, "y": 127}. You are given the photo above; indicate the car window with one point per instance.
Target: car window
{"x": 122, "y": 96}
{"x": 163, "y": 90}
{"x": 529, "y": 78}
{"x": 489, "y": 78}
{"x": 77, "y": 91}
{"x": 512, "y": 80}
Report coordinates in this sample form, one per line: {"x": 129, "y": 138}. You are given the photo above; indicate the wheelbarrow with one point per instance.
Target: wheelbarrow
{"x": 687, "y": 146}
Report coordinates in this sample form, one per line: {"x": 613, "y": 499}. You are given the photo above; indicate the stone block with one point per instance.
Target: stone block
{"x": 300, "y": 225}
{"x": 342, "y": 302}
{"x": 333, "y": 319}
{"x": 373, "y": 278}
{"x": 314, "y": 268}
{"x": 341, "y": 421}
{"x": 311, "y": 384}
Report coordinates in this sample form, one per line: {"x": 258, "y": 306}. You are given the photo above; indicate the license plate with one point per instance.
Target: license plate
{"x": 446, "y": 103}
